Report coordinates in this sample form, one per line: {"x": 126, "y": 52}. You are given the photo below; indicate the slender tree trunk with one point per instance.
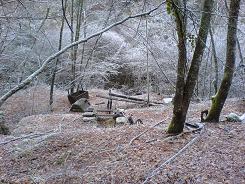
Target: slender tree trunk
{"x": 240, "y": 52}
{"x": 206, "y": 71}
{"x": 80, "y": 85}
{"x": 219, "y": 99}
{"x": 75, "y": 38}
{"x": 51, "y": 94}
{"x": 147, "y": 63}
{"x": 73, "y": 61}
{"x": 210, "y": 82}
{"x": 216, "y": 66}
{"x": 78, "y": 26}
{"x": 183, "y": 96}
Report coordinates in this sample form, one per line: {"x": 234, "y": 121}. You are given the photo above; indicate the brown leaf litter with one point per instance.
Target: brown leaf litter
{"x": 72, "y": 151}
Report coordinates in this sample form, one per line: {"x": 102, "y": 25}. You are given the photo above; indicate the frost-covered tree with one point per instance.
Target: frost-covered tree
{"x": 219, "y": 99}
{"x": 185, "y": 85}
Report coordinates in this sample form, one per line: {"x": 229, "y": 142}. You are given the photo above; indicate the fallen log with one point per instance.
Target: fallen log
{"x": 104, "y": 110}
{"x": 142, "y": 133}
{"x": 133, "y": 98}
{"x": 117, "y": 99}
{"x": 29, "y": 136}
{"x": 105, "y": 115}
{"x": 169, "y": 160}
{"x": 99, "y": 110}
{"x": 100, "y": 103}
{"x": 125, "y": 100}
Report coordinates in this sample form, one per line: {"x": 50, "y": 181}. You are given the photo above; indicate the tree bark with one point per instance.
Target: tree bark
{"x": 175, "y": 127}
{"x": 184, "y": 90}
{"x": 219, "y": 99}
{"x": 238, "y": 43}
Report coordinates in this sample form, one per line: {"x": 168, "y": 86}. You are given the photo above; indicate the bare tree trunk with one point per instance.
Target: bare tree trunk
{"x": 198, "y": 53}
{"x": 205, "y": 92}
{"x": 240, "y": 52}
{"x": 238, "y": 43}
{"x": 73, "y": 61}
{"x": 184, "y": 90}
{"x": 219, "y": 99}
{"x": 182, "y": 59}
{"x": 147, "y": 62}
{"x": 75, "y": 38}
{"x": 83, "y": 45}
{"x": 57, "y": 59}
{"x": 216, "y": 66}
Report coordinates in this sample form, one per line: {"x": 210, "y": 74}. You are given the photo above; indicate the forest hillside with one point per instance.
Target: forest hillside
{"x": 130, "y": 91}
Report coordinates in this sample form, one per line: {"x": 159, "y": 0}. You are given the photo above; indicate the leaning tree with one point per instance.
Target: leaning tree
{"x": 186, "y": 80}
{"x": 219, "y": 99}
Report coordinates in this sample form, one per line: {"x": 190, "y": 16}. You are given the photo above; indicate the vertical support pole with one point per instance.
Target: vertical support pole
{"x": 147, "y": 58}
{"x": 109, "y": 103}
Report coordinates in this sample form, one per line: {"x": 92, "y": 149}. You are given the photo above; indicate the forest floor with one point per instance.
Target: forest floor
{"x": 59, "y": 147}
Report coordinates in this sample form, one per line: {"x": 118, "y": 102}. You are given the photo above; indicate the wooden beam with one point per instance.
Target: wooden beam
{"x": 133, "y": 98}
{"x": 123, "y": 100}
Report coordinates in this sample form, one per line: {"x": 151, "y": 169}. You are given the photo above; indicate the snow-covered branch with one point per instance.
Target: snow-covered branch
{"x": 50, "y": 58}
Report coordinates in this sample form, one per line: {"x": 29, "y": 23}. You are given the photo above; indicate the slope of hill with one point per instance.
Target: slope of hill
{"x": 61, "y": 148}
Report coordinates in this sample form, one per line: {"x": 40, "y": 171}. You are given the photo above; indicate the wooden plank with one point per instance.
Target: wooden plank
{"x": 133, "y": 98}
{"x": 123, "y": 100}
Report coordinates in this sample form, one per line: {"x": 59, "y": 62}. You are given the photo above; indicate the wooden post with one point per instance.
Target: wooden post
{"x": 147, "y": 59}
{"x": 109, "y": 103}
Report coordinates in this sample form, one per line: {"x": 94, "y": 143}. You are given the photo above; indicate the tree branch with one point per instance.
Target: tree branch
{"x": 50, "y": 58}
{"x": 142, "y": 133}
{"x": 29, "y": 136}
{"x": 158, "y": 169}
